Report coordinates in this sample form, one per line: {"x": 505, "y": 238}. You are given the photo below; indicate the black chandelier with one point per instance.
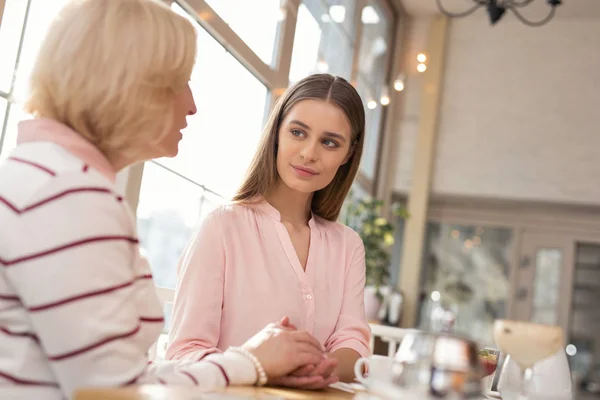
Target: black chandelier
{"x": 497, "y": 8}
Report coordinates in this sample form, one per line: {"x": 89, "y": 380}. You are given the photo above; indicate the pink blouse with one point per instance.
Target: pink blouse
{"x": 241, "y": 272}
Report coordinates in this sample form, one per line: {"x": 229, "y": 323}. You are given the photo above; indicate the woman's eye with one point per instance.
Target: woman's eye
{"x": 297, "y": 132}
{"x": 330, "y": 143}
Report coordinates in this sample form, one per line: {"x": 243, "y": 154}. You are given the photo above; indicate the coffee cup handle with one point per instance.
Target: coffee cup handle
{"x": 358, "y": 369}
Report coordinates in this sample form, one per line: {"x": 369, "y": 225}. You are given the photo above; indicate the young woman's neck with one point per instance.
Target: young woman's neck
{"x": 293, "y": 206}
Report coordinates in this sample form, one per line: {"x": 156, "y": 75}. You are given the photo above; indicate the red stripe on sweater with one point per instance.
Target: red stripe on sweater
{"x": 60, "y": 357}
{"x": 26, "y": 382}
{"x": 19, "y": 334}
{"x": 86, "y": 295}
{"x": 9, "y": 298}
{"x": 79, "y": 297}
{"x": 9, "y": 263}
{"x": 10, "y": 205}
{"x": 222, "y": 371}
{"x": 33, "y": 164}
{"x": 191, "y": 377}
{"x": 66, "y": 193}
{"x": 134, "y": 379}
{"x": 151, "y": 319}
{"x": 54, "y": 197}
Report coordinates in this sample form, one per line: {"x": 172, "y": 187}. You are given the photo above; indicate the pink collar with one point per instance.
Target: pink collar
{"x": 48, "y": 130}
{"x": 266, "y": 207}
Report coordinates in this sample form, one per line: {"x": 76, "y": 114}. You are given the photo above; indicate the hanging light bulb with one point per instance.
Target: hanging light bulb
{"x": 385, "y": 96}
{"x": 421, "y": 57}
{"x": 421, "y": 67}
{"x": 371, "y": 104}
{"x": 399, "y": 83}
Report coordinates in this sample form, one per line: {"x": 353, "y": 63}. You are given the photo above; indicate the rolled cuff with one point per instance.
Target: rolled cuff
{"x": 351, "y": 343}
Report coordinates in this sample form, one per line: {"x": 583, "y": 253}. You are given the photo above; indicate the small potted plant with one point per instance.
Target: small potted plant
{"x": 377, "y": 233}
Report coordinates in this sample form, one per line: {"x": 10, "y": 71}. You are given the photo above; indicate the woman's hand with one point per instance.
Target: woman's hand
{"x": 281, "y": 349}
{"x": 311, "y": 377}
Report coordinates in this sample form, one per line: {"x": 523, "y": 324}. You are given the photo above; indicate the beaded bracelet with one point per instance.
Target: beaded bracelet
{"x": 260, "y": 371}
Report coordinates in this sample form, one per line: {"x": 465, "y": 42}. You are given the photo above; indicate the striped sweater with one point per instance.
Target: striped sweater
{"x": 78, "y": 306}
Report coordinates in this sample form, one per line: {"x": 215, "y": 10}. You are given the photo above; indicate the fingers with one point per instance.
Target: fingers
{"x": 325, "y": 368}
{"x": 304, "y": 354}
{"x": 285, "y": 325}
{"x": 306, "y": 337}
{"x": 304, "y": 371}
{"x": 321, "y": 384}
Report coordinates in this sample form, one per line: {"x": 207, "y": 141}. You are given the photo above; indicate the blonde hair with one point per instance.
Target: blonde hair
{"x": 110, "y": 70}
{"x": 262, "y": 175}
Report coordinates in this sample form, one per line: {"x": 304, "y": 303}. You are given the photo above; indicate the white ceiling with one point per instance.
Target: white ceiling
{"x": 536, "y": 10}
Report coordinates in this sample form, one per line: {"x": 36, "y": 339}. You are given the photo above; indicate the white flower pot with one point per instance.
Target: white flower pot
{"x": 372, "y": 304}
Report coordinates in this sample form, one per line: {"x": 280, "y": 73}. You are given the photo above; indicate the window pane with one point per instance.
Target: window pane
{"x": 15, "y": 115}
{"x": 465, "y": 271}
{"x": 221, "y": 138}
{"x": 373, "y": 122}
{"x": 10, "y": 35}
{"x": 374, "y": 49}
{"x": 41, "y": 14}
{"x": 255, "y": 22}
{"x": 342, "y": 12}
{"x": 375, "y": 43}
{"x": 320, "y": 44}
{"x": 585, "y": 313}
{"x": 169, "y": 209}
{"x": 546, "y": 291}
{"x": 2, "y": 114}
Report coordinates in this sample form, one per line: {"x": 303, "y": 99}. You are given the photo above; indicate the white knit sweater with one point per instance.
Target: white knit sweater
{"x": 78, "y": 306}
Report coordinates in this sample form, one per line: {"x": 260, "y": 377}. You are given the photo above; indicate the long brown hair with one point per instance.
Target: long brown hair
{"x": 262, "y": 175}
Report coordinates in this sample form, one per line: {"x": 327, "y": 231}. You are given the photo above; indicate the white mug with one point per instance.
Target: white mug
{"x": 378, "y": 368}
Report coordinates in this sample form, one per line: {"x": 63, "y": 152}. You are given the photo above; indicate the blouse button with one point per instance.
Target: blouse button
{"x": 309, "y": 296}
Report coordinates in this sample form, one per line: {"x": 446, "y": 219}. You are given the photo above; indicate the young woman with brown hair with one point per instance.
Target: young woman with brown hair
{"x": 277, "y": 248}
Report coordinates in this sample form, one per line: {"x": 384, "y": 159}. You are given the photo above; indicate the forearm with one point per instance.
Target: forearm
{"x": 346, "y": 359}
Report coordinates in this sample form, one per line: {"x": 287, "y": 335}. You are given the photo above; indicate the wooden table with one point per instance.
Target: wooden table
{"x": 150, "y": 392}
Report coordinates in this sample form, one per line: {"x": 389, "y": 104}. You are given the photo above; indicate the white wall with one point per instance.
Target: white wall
{"x": 520, "y": 113}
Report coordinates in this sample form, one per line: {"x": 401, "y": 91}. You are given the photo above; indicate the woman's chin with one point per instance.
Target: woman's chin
{"x": 302, "y": 187}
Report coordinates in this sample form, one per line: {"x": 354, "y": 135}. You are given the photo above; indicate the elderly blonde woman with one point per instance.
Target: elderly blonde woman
{"x": 77, "y": 302}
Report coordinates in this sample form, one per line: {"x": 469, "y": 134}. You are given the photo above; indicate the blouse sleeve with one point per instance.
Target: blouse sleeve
{"x": 352, "y": 330}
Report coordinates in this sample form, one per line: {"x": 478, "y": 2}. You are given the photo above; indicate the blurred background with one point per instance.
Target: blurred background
{"x": 481, "y": 153}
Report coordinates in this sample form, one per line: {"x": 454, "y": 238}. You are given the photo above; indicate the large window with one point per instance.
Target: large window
{"x": 222, "y": 135}
{"x": 176, "y": 194}
{"x": 24, "y": 25}
{"x": 245, "y": 57}
{"x": 323, "y": 42}
{"x": 256, "y": 22}
{"x": 170, "y": 207}
{"x": 375, "y": 50}
{"x": 10, "y": 37}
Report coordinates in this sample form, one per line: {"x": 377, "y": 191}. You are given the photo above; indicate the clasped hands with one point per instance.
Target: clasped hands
{"x": 292, "y": 358}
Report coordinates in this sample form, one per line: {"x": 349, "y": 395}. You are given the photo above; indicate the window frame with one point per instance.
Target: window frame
{"x": 275, "y": 77}
{"x": 8, "y": 96}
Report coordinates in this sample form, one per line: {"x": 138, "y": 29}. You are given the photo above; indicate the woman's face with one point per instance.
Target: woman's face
{"x": 314, "y": 140}
{"x": 183, "y": 106}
